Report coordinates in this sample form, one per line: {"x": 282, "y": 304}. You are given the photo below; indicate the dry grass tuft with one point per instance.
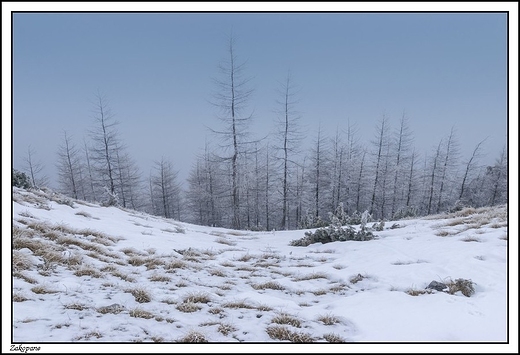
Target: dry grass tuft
{"x": 312, "y": 276}
{"x": 40, "y": 289}
{"x": 238, "y": 304}
{"x": 18, "y": 297}
{"x": 84, "y": 214}
{"x": 188, "y": 307}
{"x": 217, "y": 272}
{"x": 122, "y": 276}
{"x": 21, "y": 261}
{"x": 197, "y": 297}
{"x": 284, "y": 333}
{"x": 88, "y": 271}
{"x": 245, "y": 257}
{"x": 159, "y": 278}
{"x": 216, "y": 310}
{"x": 225, "y": 328}
{"x": 333, "y": 338}
{"x": 24, "y": 277}
{"x": 225, "y": 241}
{"x": 416, "y": 292}
{"x": 175, "y": 264}
{"x": 471, "y": 239}
{"x": 466, "y": 287}
{"x": 357, "y": 278}
{"x": 284, "y": 318}
{"x": 140, "y": 294}
{"x": 76, "y": 306}
{"x": 273, "y": 285}
{"x": 193, "y": 337}
{"x": 141, "y": 313}
{"x": 328, "y": 319}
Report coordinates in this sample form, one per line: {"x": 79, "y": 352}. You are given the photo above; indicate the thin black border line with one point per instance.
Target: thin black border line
{"x": 506, "y": 12}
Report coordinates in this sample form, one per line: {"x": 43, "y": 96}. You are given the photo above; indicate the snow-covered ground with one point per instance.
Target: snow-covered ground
{"x": 90, "y": 274}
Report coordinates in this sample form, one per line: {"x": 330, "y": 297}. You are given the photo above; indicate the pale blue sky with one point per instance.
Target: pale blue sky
{"x": 156, "y": 69}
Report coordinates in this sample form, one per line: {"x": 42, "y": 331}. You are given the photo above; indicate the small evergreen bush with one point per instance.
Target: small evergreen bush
{"x": 335, "y": 232}
{"x": 21, "y": 180}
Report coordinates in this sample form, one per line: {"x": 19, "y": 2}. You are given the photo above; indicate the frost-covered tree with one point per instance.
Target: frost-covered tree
{"x": 288, "y": 136}
{"x": 380, "y": 146}
{"x": 231, "y": 98}
{"x": 104, "y": 145}
{"x": 69, "y": 168}
{"x": 34, "y": 169}
{"x": 402, "y": 144}
{"x": 165, "y": 189}
{"x": 471, "y": 167}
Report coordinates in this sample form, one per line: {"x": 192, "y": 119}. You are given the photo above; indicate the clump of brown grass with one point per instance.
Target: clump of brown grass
{"x": 159, "y": 278}
{"x": 284, "y": 333}
{"x": 113, "y": 309}
{"x": 417, "y": 292}
{"x": 225, "y": 241}
{"x": 245, "y": 257}
{"x": 355, "y": 279}
{"x": 471, "y": 239}
{"x": 263, "y": 308}
{"x": 122, "y": 276}
{"x": 466, "y": 287}
{"x": 140, "y": 294}
{"x": 88, "y": 271}
{"x": 333, "y": 338}
{"x": 41, "y": 289}
{"x": 442, "y": 233}
{"x": 217, "y": 272}
{"x": 84, "y": 214}
{"x": 238, "y": 304}
{"x": 225, "y": 328}
{"x": 18, "y": 297}
{"x": 24, "y": 277}
{"x": 76, "y": 306}
{"x": 193, "y": 337}
{"x": 141, "y": 313}
{"x": 20, "y": 261}
{"x": 188, "y": 307}
{"x": 273, "y": 285}
{"x": 312, "y": 276}
{"x": 227, "y": 264}
{"x": 216, "y": 310}
{"x": 87, "y": 336}
{"x": 197, "y": 297}
{"x": 328, "y": 319}
{"x": 284, "y": 318}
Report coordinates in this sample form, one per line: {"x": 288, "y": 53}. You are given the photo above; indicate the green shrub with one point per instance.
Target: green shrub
{"x": 21, "y": 180}
{"x": 333, "y": 233}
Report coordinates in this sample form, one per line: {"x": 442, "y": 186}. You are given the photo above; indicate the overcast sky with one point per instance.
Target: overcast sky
{"x": 443, "y": 70}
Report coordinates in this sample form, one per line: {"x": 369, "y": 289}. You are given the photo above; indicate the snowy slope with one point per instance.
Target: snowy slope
{"x": 86, "y": 273}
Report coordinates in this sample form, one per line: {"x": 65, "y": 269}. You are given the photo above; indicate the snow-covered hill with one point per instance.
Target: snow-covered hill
{"x": 86, "y": 273}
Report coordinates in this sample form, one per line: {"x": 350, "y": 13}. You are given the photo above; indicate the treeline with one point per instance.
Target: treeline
{"x": 245, "y": 182}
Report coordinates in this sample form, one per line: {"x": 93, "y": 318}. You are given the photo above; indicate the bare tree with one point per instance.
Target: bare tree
{"x": 231, "y": 98}
{"x": 165, "y": 188}
{"x": 360, "y": 181}
{"x": 403, "y": 141}
{"x": 449, "y": 162}
{"x": 34, "y": 169}
{"x": 69, "y": 167}
{"x": 289, "y": 136}
{"x": 380, "y": 144}
{"x": 105, "y": 144}
{"x": 499, "y": 173}
{"x": 432, "y": 179}
{"x": 92, "y": 192}
{"x": 470, "y": 166}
